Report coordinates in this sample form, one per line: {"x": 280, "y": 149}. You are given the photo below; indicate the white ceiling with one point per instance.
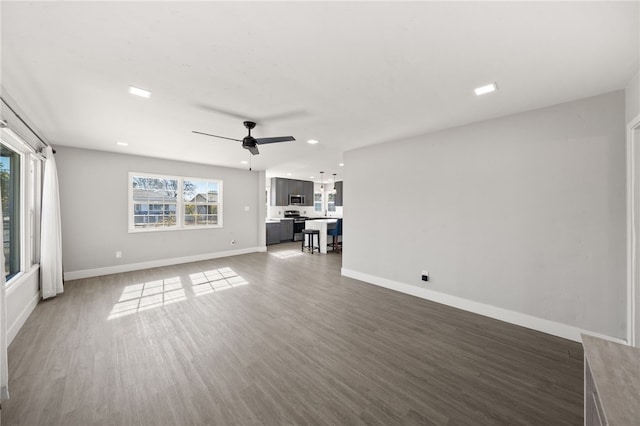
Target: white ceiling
{"x": 347, "y": 74}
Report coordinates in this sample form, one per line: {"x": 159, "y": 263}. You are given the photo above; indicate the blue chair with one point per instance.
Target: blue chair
{"x": 336, "y": 232}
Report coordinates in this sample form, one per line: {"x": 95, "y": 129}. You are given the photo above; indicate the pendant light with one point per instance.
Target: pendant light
{"x": 334, "y": 181}
{"x": 321, "y": 181}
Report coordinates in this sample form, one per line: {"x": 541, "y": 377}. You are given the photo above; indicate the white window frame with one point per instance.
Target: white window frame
{"x": 36, "y": 169}
{"x": 180, "y": 203}
{"x": 30, "y": 209}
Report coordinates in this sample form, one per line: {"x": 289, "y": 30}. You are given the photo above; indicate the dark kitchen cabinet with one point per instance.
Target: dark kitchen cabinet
{"x": 279, "y": 192}
{"x": 308, "y": 192}
{"x": 286, "y": 230}
{"x": 295, "y": 186}
{"x": 338, "y": 199}
{"x": 281, "y": 189}
{"x": 273, "y": 233}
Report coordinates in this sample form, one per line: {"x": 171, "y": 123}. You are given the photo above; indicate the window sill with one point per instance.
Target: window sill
{"x": 144, "y": 230}
{"x": 20, "y": 278}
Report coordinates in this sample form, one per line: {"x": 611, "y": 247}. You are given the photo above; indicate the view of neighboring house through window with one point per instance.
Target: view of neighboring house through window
{"x": 154, "y": 202}
{"x": 10, "y": 181}
{"x": 170, "y": 202}
{"x": 201, "y": 202}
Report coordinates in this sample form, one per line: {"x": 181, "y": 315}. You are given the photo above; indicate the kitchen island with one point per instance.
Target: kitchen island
{"x": 322, "y": 225}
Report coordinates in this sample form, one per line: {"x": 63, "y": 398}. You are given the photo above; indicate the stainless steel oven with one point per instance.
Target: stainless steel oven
{"x": 298, "y": 223}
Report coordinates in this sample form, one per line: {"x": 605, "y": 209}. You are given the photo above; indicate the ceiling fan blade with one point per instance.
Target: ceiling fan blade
{"x": 216, "y": 136}
{"x": 262, "y": 141}
{"x": 253, "y": 150}
{"x": 286, "y": 115}
{"x": 223, "y": 111}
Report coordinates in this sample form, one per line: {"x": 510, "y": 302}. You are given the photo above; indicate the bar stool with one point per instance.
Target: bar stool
{"x": 312, "y": 233}
{"x": 335, "y": 234}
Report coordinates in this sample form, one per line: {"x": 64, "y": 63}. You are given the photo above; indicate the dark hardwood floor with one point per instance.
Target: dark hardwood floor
{"x": 278, "y": 338}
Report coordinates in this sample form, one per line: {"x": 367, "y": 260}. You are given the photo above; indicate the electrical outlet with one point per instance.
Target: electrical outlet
{"x": 425, "y": 276}
{"x": 118, "y": 254}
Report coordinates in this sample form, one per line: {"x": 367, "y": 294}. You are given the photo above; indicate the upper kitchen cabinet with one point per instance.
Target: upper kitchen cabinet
{"x": 308, "y": 193}
{"x": 279, "y": 192}
{"x": 281, "y": 188}
{"x": 338, "y": 199}
{"x": 295, "y": 187}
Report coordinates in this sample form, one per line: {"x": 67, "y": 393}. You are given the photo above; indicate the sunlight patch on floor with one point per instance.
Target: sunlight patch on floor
{"x": 285, "y": 254}
{"x": 215, "y": 280}
{"x": 148, "y": 295}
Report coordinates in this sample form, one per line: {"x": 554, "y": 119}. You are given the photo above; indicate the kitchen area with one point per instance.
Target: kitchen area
{"x": 295, "y": 205}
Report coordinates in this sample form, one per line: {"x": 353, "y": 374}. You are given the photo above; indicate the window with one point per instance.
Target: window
{"x": 10, "y": 182}
{"x": 155, "y": 201}
{"x": 201, "y": 202}
{"x": 169, "y": 202}
{"x": 331, "y": 198}
{"x": 20, "y": 182}
{"x": 317, "y": 201}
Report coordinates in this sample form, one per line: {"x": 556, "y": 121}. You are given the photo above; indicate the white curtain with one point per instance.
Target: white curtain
{"x": 4, "y": 368}
{"x": 51, "y": 231}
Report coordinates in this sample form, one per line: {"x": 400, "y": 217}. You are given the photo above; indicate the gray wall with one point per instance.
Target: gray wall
{"x": 524, "y": 213}
{"x": 94, "y": 197}
{"x": 632, "y": 98}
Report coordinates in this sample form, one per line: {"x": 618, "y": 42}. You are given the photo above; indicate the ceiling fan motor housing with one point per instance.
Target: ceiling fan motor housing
{"x": 248, "y": 142}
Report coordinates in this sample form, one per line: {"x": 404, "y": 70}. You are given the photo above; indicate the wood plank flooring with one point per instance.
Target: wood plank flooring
{"x": 278, "y": 338}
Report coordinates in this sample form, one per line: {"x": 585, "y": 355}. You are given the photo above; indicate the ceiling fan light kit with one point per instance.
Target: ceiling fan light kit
{"x": 249, "y": 142}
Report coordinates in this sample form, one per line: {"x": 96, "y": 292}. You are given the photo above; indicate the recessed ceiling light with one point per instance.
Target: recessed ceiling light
{"x": 341, "y": 164}
{"x": 139, "y": 92}
{"x": 486, "y": 89}
{"x": 312, "y": 177}
{"x": 244, "y": 162}
{"x": 122, "y": 143}
{"x": 312, "y": 141}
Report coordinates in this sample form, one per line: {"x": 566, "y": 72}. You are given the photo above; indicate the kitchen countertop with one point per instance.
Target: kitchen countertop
{"x": 279, "y": 219}
{"x": 616, "y": 372}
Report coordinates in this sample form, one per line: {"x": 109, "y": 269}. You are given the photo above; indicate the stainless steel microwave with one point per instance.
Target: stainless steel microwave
{"x": 296, "y": 200}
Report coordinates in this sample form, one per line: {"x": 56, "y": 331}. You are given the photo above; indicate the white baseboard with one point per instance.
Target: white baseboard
{"x": 524, "y": 320}
{"x": 12, "y": 330}
{"x": 107, "y": 270}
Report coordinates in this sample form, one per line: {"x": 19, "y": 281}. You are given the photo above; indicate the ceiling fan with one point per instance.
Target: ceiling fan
{"x": 249, "y": 142}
